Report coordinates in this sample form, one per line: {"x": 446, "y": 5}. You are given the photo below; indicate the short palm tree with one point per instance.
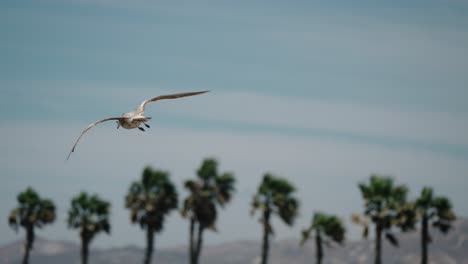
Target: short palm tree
{"x": 90, "y": 215}
{"x": 327, "y": 229}
{"x": 385, "y": 206}
{"x": 436, "y": 211}
{"x": 150, "y": 200}
{"x": 274, "y": 197}
{"x": 208, "y": 191}
{"x": 32, "y": 211}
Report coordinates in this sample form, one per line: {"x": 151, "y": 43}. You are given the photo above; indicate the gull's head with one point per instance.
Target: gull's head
{"x": 118, "y": 124}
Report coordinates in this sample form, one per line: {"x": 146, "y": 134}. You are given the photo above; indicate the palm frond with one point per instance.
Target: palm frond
{"x": 151, "y": 199}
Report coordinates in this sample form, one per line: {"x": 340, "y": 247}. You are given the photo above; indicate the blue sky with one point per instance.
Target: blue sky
{"x": 322, "y": 93}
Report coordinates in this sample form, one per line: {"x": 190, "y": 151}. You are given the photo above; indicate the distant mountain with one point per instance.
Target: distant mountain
{"x": 450, "y": 248}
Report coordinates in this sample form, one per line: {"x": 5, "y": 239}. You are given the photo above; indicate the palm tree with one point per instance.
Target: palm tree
{"x": 32, "y": 211}
{"x": 90, "y": 215}
{"x": 327, "y": 229}
{"x": 385, "y": 206}
{"x": 435, "y": 210}
{"x": 208, "y": 191}
{"x": 149, "y": 201}
{"x": 274, "y": 196}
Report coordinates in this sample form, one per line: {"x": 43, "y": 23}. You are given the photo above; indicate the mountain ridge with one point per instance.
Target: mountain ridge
{"x": 449, "y": 248}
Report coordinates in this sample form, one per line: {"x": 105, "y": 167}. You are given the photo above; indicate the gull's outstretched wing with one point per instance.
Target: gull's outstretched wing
{"x": 141, "y": 107}
{"x": 89, "y": 127}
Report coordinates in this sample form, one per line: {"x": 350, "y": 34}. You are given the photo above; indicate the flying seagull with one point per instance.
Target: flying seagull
{"x": 135, "y": 118}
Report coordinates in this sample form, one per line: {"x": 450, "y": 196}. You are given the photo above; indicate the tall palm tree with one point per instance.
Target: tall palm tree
{"x": 89, "y": 214}
{"x": 32, "y": 211}
{"x": 327, "y": 229}
{"x": 274, "y": 196}
{"x": 385, "y": 206}
{"x": 208, "y": 191}
{"x": 436, "y": 211}
{"x": 150, "y": 201}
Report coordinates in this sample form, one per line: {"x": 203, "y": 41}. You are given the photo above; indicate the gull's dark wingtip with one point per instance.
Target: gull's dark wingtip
{"x": 69, "y": 154}
{"x": 201, "y": 92}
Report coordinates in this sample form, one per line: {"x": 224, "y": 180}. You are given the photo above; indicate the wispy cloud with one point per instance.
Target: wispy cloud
{"x": 335, "y": 118}
{"x": 404, "y": 128}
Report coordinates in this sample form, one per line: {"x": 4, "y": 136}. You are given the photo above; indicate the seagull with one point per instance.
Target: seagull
{"x": 135, "y": 118}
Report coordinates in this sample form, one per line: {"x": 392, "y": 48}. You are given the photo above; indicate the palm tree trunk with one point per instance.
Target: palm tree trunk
{"x": 84, "y": 250}
{"x": 318, "y": 244}
{"x": 199, "y": 243}
{"x": 149, "y": 245}
{"x": 29, "y": 243}
{"x": 378, "y": 243}
{"x": 192, "y": 242}
{"x": 26, "y": 255}
{"x": 266, "y": 235}
{"x": 424, "y": 239}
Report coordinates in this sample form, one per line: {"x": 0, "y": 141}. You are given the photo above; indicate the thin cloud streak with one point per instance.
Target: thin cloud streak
{"x": 436, "y": 128}
{"x": 440, "y": 132}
